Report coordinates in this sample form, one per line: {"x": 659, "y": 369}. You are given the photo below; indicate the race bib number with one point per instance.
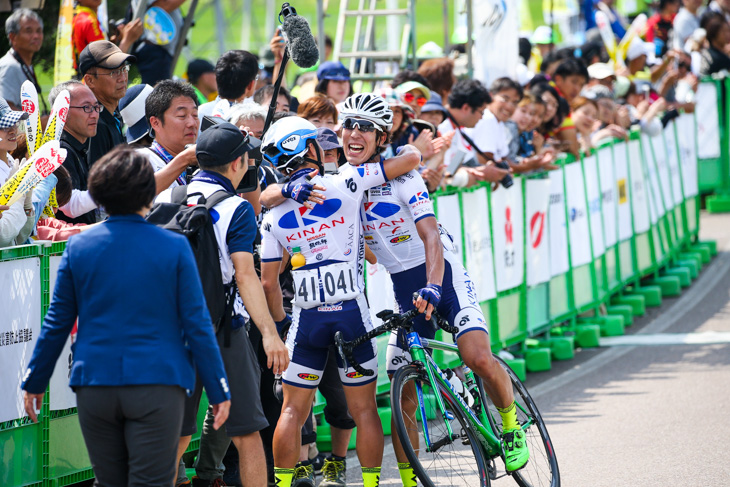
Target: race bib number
{"x": 328, "y": 284}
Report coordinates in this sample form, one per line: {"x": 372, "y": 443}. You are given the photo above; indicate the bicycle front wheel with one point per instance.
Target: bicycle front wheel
{"x": 442, "y": 461}
{"x": 542, "y": 468}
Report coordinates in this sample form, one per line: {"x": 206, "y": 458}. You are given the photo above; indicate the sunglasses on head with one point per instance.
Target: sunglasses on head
{"x": 409, "y": 97}
{"x": 361, "y": 125}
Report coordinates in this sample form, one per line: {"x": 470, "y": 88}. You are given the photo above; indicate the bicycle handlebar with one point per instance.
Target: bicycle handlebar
{"x": 392, "y": 321}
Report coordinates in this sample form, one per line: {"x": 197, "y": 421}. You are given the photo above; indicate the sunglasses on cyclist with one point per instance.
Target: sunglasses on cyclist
{"x": 420, "y": 100}
{"x": 361, "y": 125}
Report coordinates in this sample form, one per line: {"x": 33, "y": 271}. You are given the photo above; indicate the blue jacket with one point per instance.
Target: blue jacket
{"x": 142, "y": 317}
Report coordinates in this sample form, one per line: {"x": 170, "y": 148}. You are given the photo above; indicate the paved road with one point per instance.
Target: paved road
{"x": 642, "y": 415}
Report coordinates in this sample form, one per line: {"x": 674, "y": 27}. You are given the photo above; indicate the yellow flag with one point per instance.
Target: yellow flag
{"x": 64, "y": 64}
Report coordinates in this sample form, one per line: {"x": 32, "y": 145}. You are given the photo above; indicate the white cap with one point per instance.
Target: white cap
{"x": 601, "y": 71}
{"x": 542, "y": 35}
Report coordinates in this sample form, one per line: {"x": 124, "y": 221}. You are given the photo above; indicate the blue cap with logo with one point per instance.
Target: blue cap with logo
{"x": 333, "y": 70}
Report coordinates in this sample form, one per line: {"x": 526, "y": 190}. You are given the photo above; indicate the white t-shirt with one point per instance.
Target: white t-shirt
{"x": 490, "y": 135}
{"x": 458, "y": 144}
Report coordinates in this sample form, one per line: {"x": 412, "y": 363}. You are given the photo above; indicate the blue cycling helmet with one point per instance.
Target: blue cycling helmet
{"x": 287, "y": 141}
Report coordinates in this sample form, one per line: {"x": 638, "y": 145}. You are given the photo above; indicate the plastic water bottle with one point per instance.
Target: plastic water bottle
{"x": 459, "y": 386}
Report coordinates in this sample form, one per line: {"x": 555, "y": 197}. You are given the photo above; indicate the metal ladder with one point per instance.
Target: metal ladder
{"x": 363, "y": 47}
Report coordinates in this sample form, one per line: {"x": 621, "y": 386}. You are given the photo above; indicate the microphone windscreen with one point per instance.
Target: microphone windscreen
{"x": 303, "y": 49}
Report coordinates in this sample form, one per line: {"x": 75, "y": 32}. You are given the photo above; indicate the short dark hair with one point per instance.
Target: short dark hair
{"x": 469, "y": 92}
{"x": 408, "y": 75}
{"x": 234, "y": 71}
{"x": 555, "y": 56}
{"x": 122, "y": 182}
{"x": 322, "y": 87}
{"x": 504, "y": 84}
{"x": 713, "y": 24}
{"x": 572, "y": 67}
{"x": 268, "y": 91}
{"x": 160, "y": 99}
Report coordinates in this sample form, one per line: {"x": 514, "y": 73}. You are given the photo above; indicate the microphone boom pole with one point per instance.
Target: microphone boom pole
{"x": 275, "y": 94}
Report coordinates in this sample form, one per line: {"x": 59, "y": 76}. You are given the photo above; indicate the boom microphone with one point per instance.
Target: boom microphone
{"x": 301, "y": 45}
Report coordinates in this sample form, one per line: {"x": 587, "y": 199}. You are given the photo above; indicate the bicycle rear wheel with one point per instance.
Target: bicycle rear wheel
{"x": 542, "y": 468}
{"x": 457, "y": 461}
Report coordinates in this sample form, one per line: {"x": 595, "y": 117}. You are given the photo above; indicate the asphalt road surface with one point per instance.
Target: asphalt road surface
{"x": 649, "y": 409}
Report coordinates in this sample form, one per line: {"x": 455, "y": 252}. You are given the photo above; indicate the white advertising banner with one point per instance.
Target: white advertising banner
{"x": 509, "y": 254}
{"x": 608, "y": 195}
{"x": 622, "y": 191}
{"x": 61, "y": 396}
{"x": 450, "y": 218}
{"x": 708, "y": 125}
{"x": 580, "y": 234}
{"x": 593, "y": 194}
{"x": 675, "y": 177}
{"x": 662, "y": 167}
{"x": 558, "y": 233}
{"x": 656, "y": 207}
{"x": 478, "y": 240}
{"x": 638, "y": 191}
{"x": 380, "y": 291}
{"x": 537, "y": 252}
{"x": 20, "y": 325}
{"x": 688, "y": 153}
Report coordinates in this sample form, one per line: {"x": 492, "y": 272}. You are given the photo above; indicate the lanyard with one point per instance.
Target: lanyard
{"x": 167, "y": 157}
{"x": 30, "y": 75}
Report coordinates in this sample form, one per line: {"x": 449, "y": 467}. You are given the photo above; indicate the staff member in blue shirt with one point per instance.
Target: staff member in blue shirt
{"x": 142, "y": 321}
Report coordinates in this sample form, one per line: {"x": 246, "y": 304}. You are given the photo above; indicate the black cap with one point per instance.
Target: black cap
{"x": 104, "y": 54}
{"x": 223, "y": 143}
{"x": 197, "y": 68}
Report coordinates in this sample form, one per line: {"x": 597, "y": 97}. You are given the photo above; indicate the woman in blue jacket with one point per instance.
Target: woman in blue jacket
{"x": 142, "y": 322}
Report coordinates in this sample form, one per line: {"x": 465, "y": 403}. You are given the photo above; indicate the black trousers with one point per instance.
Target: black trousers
{"x": 132, "y": 433}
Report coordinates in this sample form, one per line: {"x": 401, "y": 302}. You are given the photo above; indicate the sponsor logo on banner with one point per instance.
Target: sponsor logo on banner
{"x": 576, "y": 213}
{"x": 28, "y": 106}
{"x": 622, "y": 195}
{"x": 62, "y": 114}
{"x": 537, "y": 228}
{"x": 509, "y": 251}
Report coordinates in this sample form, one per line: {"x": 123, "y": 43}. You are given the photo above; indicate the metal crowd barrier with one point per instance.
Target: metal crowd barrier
{"x": 557, "y": 260}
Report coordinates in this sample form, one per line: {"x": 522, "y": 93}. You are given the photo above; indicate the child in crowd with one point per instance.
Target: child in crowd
{"x": 522, "y": 126}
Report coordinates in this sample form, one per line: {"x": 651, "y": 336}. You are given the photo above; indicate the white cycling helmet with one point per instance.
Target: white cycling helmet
{"x": 368, "y": 106}
{"x": 287, "y": 141}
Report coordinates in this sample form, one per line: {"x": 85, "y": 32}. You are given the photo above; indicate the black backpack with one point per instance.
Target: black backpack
{"x": 196, "y": 224}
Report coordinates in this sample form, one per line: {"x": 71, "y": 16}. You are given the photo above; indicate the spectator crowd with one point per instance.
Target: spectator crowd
{"x": 566, "y": 99}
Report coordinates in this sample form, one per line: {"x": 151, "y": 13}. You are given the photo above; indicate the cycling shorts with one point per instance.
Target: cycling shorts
{"x": 458, "y": 305}
{"x": 313, "y": 331}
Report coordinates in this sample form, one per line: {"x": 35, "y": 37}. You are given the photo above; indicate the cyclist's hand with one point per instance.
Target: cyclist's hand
{"x": 302, "y": 191}
{"x": 428, "y": 299}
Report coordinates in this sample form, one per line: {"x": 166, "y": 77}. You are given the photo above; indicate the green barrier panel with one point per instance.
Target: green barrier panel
{"x": 22, "y": 461}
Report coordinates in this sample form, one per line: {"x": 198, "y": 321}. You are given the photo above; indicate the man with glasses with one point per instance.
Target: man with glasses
{"x": 414, "y": 94}
{"x": 81, "y": 126}
{"x": 105, "y": 69}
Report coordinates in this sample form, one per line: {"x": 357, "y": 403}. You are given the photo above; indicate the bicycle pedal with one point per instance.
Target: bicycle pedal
{"x": 464, "y": 438}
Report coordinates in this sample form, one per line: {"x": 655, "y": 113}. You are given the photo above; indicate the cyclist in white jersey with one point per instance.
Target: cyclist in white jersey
{"x": 400, "y": 228}
{"x": 328, "y": 284}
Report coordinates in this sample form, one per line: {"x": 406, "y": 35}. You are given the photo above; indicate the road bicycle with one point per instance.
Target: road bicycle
{"x": 452, "y": 427}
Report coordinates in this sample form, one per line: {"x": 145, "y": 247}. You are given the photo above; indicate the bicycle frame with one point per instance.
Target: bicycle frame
{"x": 416, "y": 345}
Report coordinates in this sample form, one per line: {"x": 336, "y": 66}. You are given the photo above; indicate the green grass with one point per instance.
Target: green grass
{"x": 204, "y": 41}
